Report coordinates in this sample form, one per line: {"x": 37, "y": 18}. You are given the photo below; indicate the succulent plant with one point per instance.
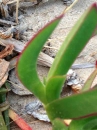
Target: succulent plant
{"x": 81, "y": 106}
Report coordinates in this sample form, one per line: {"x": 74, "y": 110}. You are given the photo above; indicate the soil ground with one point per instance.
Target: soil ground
{"x": 37, "y": 17}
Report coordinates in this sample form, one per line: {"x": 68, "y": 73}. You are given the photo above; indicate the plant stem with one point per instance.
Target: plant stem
{"x": 2, "y": 123}
{"x": 3, "y": 99}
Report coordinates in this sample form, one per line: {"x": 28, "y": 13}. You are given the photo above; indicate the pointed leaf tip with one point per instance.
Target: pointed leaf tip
{"x": 27, "y": 73}
{"x": 39, "y": 32}
{"x": 94, "y": 5}
{"x": 62, "y": 62}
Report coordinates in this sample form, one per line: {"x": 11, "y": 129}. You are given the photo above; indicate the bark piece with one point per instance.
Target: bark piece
{"x": 3, "y": 67}
{"x": 16, "y": 86}
{"x": 7, "y": 51}
{"x": 19, "y": 120}
{"x": 6, "y": 23}
{"x": 3, "y": 80}
{"x": 44, "y": 60}
{"x": 6, "y": 34}
{"x": 3, "y": 71}
{"x": 4, "y": 10}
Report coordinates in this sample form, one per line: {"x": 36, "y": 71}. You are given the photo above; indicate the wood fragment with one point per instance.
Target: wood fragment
{"x": 6, "y": 23}
{"x": 4, "y": 10}
{"x": 17, "y": 6}
{"x": 13, "y": 63}
{"x": 18, "y": 45}
{"x": 26, "y": 4}
{"x": 3, "y": 67}
{"x": 3, "y": 71}
{"x": 13, "y": 31}
{"x": 14, "y": 1}
{"x": 7, "y": 51}
{"x": 3, "y": 80}
{"x": 22, "y": 4}
{"x": 19, "y": 121}
{"x": 5, "y": 1}
{"x": 6, "y": 34}
{"x": 16, "y": 85}
{"x": 43, "y": 59}
{"x": 11, "y": 2}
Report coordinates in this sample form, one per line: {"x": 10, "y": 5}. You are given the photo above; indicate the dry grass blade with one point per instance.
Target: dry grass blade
{"x": 68, "y": 8}
{"x": 6, "y": 22}
{"x": 17, "y": 6}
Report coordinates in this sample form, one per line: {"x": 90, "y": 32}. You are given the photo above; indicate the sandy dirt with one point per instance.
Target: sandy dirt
{"x": 37, "y": 17}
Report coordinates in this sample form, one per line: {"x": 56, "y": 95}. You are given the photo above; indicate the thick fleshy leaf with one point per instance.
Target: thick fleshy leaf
{"x": 54, "y": 87}
{"x": 95, "y": 33}
{"x": 74, "y": 106}
{"x": 89, "y": 81}
{"x": 89, "y": 123}
{"x": 75, "y": 42}
{"x": 26, "y": 67}
{"x": 59, "y": 125}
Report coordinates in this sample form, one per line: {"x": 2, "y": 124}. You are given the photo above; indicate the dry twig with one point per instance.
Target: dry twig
{"x": 6, "y": 23}
{"x": 17, "y": 6}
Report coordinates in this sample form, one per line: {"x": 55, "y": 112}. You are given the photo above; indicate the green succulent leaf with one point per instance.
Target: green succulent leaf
{"x": 26, "y": 67}
{"x": 89, "y": 81}
{"x": 54, "y": 87}
{"x": 75, "y": 42}
{"x": 89, "y": 123}
{"x": 95, "y": 33}
{"x": 58, "y": 124}
{"x": 75, "y": 106}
